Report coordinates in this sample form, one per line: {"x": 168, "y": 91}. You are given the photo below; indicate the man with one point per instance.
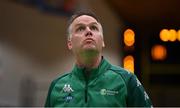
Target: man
{"x": 94, "y": 82}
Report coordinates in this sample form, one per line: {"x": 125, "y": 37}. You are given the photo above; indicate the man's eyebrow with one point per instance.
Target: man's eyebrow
{"x": 80, "y": 24}
{"x": 93, "y": 23}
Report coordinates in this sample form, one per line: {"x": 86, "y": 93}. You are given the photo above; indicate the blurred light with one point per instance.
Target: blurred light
{"x": 178, "y": 35}
{"x": 158, "y": 52}
{"x": 173, "y": 34}
{"x": 164, "y": 35}
{"x": 129, "y": 37}
{"x": 129, "y": 63}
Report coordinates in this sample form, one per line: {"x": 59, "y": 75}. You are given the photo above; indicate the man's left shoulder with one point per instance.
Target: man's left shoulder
{"x": 120, "y": 70}
{"x": 125, "y": 74}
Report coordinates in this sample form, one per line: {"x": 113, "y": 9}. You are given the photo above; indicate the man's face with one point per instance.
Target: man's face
{"x": 86, "y": 35}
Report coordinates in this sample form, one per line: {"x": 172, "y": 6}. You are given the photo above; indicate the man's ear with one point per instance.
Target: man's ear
{"x": 103, "y": 44}
{"x": 69, "y": 44}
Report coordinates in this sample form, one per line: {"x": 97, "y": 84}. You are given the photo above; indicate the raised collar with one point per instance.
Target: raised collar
{"x": 80, "y": 72}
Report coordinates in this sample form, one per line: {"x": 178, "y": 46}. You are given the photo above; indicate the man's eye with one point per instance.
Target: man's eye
{"x": 80, "y": 29}
{"x": 94, "y": 28}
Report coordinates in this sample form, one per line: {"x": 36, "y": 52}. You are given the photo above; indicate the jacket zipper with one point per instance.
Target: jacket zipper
{"x": 86, "y": 85}
{"x": 86, "y": 91}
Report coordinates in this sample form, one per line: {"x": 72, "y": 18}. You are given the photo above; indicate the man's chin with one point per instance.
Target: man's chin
{"x": 89, "y": 47}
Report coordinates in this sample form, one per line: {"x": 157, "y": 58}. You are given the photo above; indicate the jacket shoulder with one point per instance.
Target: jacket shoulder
{"x": 125, "y": 74}
{"x": 61, "y": 77}
{"x": 53, "y": 83}
{"x": 137, "y": 96}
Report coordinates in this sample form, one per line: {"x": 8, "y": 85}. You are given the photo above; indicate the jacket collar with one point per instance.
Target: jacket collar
{"x": 80, "y": 72}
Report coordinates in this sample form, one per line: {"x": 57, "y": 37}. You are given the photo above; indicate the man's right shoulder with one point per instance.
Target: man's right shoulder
{"x": 62, "y": 77}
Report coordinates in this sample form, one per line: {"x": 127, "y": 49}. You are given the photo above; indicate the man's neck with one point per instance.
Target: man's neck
{"x": 89, "y": 62}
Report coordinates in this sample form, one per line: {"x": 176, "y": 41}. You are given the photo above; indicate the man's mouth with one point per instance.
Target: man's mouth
{"x": 89, "y": 40}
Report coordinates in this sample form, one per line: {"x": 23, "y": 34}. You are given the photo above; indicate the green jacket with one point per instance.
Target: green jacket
{"x": 107, "y": 86}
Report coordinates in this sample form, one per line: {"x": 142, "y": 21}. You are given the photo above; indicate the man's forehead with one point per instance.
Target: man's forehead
{"x": 84, "y": 19}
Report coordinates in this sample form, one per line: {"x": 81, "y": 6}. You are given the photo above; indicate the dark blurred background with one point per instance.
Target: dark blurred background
{"x": 141, "y": 36}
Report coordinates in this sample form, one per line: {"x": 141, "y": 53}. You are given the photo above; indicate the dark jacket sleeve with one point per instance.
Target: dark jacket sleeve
{"x": 137, "y": 96}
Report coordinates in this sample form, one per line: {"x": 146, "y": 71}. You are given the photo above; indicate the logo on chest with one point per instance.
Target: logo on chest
{"x": 108, "y": 92}
{"x": 67, "y": 88}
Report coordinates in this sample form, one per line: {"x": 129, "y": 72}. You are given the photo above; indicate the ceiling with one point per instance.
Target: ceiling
{"x": 152, "y": 12}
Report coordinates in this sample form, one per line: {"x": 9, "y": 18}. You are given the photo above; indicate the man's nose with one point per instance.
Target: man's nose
{"x": 88, "y": 32}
